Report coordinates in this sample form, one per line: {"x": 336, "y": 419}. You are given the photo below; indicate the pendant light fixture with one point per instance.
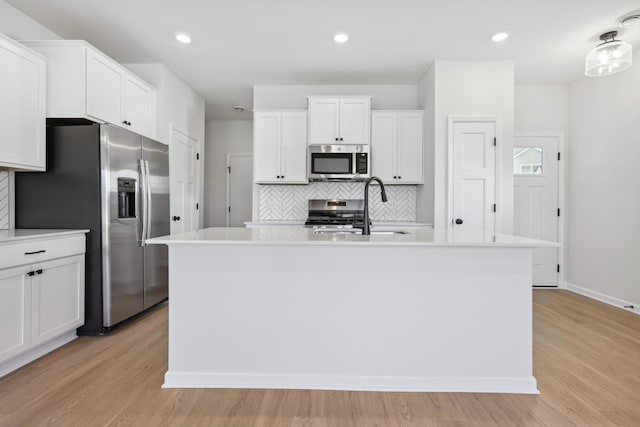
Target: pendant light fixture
{"x": 609, "y": 57}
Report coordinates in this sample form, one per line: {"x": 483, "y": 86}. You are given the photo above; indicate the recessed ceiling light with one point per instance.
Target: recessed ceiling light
{"x": 341, "y": 37}
{"x": 183, "y": 38}
{"x": 498, "y": 37}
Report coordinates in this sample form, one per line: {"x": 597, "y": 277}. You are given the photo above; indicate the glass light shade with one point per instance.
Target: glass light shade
{"x": 608, "y": 58}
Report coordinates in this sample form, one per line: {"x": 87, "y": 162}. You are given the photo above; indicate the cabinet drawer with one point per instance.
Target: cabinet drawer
{"x": 37, "y": 250}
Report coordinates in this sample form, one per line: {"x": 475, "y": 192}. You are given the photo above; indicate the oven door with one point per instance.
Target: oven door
{"x": 324, "y": 165}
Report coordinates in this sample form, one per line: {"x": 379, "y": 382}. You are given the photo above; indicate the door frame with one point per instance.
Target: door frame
{"x": 452, "y": 120}
{"x": 562, "y": 283}
{"x": 228, "y": 183}
{"x": 196, "y": 174}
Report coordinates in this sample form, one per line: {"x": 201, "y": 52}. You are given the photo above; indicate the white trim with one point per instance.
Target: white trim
{"x": 36, "y": 352}
{"x": 562, "y": 276}
{"x": 452, "y": 119}
{"x": 228, "y": 180}
{"x": 523, "y": 385}
{"x": 12, "y": 200}
{"x": 598, "y": 296}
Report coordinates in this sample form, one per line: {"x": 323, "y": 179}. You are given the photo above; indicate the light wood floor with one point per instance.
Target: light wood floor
{"x": 586, "y": 360}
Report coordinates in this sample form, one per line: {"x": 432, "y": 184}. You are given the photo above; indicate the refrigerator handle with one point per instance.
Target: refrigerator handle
{"x": 149, "y": 205}
{"x": 145, "y": 207}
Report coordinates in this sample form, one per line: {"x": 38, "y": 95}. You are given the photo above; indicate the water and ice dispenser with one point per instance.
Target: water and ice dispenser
{"x": 126, "y": 198}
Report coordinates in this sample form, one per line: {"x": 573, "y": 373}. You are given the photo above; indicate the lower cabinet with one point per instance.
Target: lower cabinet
{"x": 57, "y": 298}
{"x": 41, "y": 303}
{"x": 15, "y": 312}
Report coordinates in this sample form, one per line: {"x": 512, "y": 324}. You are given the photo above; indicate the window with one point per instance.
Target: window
{"x": 527, "y": 160}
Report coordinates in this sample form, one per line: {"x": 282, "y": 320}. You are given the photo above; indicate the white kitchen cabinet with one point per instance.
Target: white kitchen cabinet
{"x": 280, "y": 147}
{"x": 104, "y": 83}
{"x": 83, "y": 82}
{"x": 57, "y": 295}
{"x": 339, "y": 120}
{"x": 41, "y": 296}
{"x": 15, "y": 312}
{"x": 396, "y": 146}
{"x": 22, "y": 107}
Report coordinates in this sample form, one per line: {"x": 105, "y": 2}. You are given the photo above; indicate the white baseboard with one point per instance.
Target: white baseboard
{"x": 616, "y": 302}
{"x": 520, "y": 385}
{"x": 36, "y": 352}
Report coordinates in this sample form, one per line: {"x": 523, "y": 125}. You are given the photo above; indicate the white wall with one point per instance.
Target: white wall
{"x": 178, "y": 106}
{"x": 426, "y": 101}
{"x": 604, "y": 186}
{"x": 541, "y": 108}
{"x": 223, "y": 137}
{"x": 385, "y": 97}
{"x": 474, "y": 88}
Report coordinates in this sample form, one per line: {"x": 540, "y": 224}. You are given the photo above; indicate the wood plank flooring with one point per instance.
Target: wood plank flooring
{"x": 586, "y": 361}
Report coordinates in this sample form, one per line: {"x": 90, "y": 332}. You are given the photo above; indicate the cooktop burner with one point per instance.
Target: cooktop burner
{"x": 335, "y": 212}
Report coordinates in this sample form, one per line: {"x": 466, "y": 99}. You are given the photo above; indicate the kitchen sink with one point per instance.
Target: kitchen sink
{"x": 356, "y": 231}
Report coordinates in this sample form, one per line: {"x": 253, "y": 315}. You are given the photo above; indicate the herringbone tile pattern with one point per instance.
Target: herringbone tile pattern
{"x": 289, "y": 202}
{"x": 4, "y": 200}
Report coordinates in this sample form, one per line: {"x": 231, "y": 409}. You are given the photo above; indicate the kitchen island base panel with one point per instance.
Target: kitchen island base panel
{"x": 350, "y": 317}
{"x": 351, "y": 383}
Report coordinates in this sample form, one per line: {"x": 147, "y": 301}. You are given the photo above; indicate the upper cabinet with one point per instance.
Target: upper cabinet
{"x": 22, "y": 107}
{"x": 82, "y": 82}
{"x": 339, "y": 120}
{"x": 280, "y": 147}
{"x": 396, "y": 146}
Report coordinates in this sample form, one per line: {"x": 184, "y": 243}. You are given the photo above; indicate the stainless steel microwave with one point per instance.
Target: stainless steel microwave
{"x": 339, "y": 162}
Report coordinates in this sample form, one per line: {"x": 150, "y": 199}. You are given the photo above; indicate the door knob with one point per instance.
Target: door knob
{"x": 176, "y": 218}
{"x": 459, "y": 221}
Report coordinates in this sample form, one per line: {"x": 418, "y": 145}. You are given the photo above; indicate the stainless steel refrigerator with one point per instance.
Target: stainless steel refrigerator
{"x": 116, "y": 184}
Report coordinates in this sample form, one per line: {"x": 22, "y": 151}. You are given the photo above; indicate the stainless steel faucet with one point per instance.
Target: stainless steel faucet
{"x": 366, "y": 230}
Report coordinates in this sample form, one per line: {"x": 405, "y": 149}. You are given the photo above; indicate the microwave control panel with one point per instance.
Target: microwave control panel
{"x": 361, "y": 163}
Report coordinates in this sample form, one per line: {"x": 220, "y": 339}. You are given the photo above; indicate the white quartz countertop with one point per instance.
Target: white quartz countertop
{"x": 14, "y": 235}
{"x": 455, "y": 237}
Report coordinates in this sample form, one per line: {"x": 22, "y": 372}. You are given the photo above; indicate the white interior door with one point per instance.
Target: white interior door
{"x": 183, "y": 171}
{"x": 473, "y": 175}
{"x": 239, "y": 188}
{"x": 535, "y": 200}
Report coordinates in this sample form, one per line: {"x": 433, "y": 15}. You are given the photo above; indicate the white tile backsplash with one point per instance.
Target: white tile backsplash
{"x": 4, "y": 200}
{"x": 289, "y": 202}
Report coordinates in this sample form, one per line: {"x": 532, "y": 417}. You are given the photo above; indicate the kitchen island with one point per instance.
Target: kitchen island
{"x": 429, "y": 310}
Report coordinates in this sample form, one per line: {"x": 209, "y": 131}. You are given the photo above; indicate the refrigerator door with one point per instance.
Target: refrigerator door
{"x": 122, "y": 213}
{"x": 156, "y": 259}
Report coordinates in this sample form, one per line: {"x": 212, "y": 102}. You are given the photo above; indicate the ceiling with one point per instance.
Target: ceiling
{"x": 241, "y": 43}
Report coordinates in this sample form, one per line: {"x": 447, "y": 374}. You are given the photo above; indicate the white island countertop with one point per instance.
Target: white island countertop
{"x": 14, "y": 235}
{"x": 458, "y": 237}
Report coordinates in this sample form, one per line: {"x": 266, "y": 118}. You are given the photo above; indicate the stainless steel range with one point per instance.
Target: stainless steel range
{"x": 335, "y": 213}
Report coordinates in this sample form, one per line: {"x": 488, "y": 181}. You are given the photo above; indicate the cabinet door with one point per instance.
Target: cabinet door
{"x": 15, "y": 311}
{"x": 410, "y": 148}
{"x": 383, "y": 146}
{"x": 354, "y": 120}
{"x": 294, "y": 148}
{"x": 266, "y": 147}
{"x": 57, "y": 303}
{"x": 324, "y": 116}
{"x": 139, "y": 106}
{"x": 104, "y": 88}
{"x": 22, "y": 107}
